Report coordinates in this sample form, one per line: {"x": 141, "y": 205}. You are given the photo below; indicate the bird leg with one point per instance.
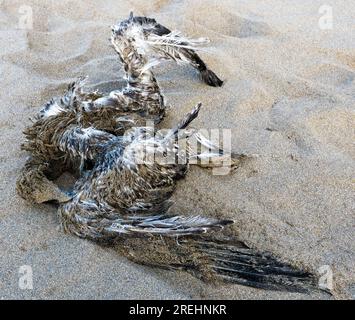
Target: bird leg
{"x": 190, "y": 146}
{"x": 194, "y": 148}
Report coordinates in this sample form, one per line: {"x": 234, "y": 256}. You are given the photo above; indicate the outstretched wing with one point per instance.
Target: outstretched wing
{"x": 222, "y": 259}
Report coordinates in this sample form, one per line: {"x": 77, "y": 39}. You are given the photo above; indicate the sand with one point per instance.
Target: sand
{"x": 288, "y": 98}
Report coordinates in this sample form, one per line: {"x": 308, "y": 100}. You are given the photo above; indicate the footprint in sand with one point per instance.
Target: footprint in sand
{"x": 61, "y": 46}
{"x": 288, "y": 117}
{"x": 331, "y": 74}
{"x": 334, "y": 127}
{"x": 252, "y": 98}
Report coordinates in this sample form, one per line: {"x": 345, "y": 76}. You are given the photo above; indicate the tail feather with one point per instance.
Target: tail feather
{"x": 241, "y": 265}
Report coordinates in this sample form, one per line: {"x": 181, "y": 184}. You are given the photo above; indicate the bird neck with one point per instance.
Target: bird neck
{"x": 141, "y": 82}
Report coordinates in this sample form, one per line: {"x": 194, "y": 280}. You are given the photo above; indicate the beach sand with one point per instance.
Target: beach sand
{"x": 288, "y": 97}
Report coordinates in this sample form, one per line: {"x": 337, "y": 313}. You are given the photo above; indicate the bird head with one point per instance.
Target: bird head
{"x": 128, "y": 36}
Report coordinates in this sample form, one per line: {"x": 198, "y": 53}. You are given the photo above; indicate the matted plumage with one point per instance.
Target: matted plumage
{"x": 121, "y": 196}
